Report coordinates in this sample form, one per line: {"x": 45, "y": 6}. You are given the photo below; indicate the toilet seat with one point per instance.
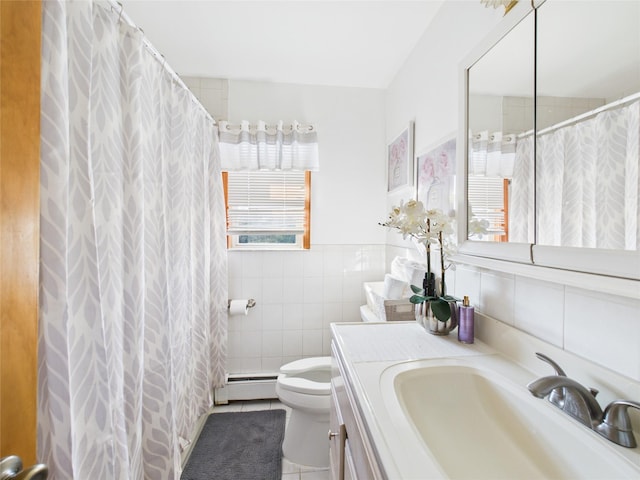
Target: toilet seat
{"x": 306, "y": 364}
{"x": 304, "y": 385}
{"x": 292, "y": 376}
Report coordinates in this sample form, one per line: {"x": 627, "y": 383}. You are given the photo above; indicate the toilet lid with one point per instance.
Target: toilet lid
{"x": 304, "y": 385}
{"x": 306, "y": 364}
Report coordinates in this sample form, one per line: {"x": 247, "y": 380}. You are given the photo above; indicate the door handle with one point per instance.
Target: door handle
{"x": 11, "y": 469}
{"x": 9, "y": 466}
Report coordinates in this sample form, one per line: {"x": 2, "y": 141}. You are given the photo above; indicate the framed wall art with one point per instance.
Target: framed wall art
{"x": 435, "y": 175}
{"x": 400, "y": 160}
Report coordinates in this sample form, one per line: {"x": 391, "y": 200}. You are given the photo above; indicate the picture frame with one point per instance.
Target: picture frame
{"x": 400, "y": 160}
{"x": 436, "y": 175}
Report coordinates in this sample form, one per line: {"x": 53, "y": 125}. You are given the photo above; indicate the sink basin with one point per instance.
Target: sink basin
{"x": 473, "y": 418}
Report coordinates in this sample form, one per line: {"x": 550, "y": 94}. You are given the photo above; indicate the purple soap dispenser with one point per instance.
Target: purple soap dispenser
{"x": 465, "y": 322}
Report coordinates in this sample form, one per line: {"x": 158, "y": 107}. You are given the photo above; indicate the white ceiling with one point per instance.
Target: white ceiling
{"x": 356, "y": 43}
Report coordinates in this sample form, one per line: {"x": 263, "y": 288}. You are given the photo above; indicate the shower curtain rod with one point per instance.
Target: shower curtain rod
{"x": 119, "y": 8}
{"x": 591, "y": 113}
{"x": 584, "y": 116}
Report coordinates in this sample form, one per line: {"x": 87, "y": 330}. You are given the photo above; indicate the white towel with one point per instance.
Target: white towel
{"x": 398, "y": 268}
{"x": 394, "y": 287}
{"x": 379, "y": 311}
{"x": 415, "y": 272}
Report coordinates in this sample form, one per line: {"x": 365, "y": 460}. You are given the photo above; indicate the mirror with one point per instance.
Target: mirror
{"x": 576, "y": 147}
{"x": 588, "y": 86}
{"x": 500, "y": 112}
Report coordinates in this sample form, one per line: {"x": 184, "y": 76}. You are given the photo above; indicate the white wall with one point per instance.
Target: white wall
{"x": 425, "y": 89}
{"x": 299, "y": 293}
{"x": 604, "y": 329}
{"x": 346, "y": 204}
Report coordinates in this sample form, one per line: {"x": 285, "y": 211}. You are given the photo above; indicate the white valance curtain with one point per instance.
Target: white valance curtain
{"x": 492, "y": 154}
{"x": 133, "y": 295}
{"x": 268, "y": 147}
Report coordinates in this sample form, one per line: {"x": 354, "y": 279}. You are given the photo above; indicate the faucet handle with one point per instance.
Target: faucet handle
{"x": 616, "y": 424}
{"x": 555, "y": 366}
{"x": 558, "y": 395}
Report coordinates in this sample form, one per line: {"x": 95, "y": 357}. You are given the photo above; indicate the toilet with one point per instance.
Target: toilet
{"x": 305, "y": 387}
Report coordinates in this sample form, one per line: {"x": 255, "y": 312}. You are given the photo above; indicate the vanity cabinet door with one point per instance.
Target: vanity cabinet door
{"x": 349, "y": 467}
{"x": 358, "y": 460}
{"x": 337, "y": 439}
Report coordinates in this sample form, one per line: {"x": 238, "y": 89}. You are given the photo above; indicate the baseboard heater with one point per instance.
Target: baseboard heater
{"x": 257, "y": 386}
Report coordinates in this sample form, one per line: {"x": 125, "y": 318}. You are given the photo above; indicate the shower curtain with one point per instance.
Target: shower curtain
{"x": 133, "y": 296}
{"x": 521, "y": 200}
{"x": 587, "y": 188}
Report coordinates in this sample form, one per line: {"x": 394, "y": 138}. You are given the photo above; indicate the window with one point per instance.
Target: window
{"x": 488, "y": 197}
{"x": 268, "y": 209}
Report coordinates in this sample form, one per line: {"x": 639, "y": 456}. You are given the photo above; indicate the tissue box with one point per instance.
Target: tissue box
{"x": 399, "y": 310}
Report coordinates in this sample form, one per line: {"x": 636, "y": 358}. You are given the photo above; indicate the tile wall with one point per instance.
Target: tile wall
{"x": 601, "y": 328}
{"x": 213, "y": 93}
{"x": 517, "y": 112}
{"x": 298, "y": 294}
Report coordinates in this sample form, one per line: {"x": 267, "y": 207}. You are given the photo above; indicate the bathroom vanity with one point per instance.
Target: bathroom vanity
{"x": 410, "y": 405}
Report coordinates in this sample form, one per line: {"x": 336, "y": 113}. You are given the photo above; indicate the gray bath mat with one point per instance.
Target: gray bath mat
{"x": 238, "y": 446}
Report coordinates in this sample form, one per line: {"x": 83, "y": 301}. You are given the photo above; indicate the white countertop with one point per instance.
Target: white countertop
{"x": 400, "y": 341}
{"x": 371, "y": 351}
{"x": 367, "y": 350}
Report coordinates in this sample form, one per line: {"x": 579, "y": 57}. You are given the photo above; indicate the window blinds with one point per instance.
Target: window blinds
{"x": 266, "y": 202}
{"x": 486, "y": 197}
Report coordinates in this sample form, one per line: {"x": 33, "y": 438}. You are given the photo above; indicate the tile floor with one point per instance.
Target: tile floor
{"x": 290, "y": 471}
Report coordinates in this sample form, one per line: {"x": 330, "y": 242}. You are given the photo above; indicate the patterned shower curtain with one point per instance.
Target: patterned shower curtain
{"x": 587, "y": 188}
{"x": 588, "y": 182}
{"x": 133, "y": 297}
{"x": 521, "y": 201}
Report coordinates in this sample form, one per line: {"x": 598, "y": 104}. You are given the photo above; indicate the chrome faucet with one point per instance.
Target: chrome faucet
{"x": 571, "y": 397}
{"x": 616, "y": 425}
{"x": 557, "y": 394}
{"x": 577, "y": 400}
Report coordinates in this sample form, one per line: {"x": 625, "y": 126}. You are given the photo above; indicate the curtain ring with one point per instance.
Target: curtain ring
{"x": 120, "y": 13}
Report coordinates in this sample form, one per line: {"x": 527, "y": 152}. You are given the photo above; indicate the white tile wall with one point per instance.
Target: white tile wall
{"x": 497, "y": 296}
{"x": 604, "y": 329}
{"x": 552, "y": 110}
{"x": 539, "y": 309}
{"x": 517, "y": 112}
{"x": 601, "y": 328}
{"x": 213, "y": 94}
{"x": 298, "y": 295}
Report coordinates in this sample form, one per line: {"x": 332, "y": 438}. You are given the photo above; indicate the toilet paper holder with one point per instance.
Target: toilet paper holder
{"x": 250, "y": 303}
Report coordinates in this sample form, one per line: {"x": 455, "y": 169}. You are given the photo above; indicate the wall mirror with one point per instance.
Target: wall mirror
{"x": 501, "y": 118}
{"x": 552, "y": 105}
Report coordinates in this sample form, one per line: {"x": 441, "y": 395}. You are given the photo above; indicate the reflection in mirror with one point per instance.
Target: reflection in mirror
{"x": 587, "y": 117}
{"x": 500, "y": 113}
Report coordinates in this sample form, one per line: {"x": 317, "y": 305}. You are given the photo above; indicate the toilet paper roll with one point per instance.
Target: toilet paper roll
{"x": 239, "y": 306}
